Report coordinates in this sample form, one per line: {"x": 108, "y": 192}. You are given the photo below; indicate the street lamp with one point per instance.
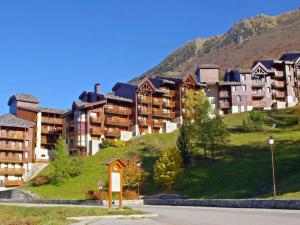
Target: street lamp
{"x": 271, "y": 142}
{"x": 139, "y": 165}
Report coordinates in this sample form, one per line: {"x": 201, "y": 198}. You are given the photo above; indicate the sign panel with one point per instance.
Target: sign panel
{"x": 115, "y": 182}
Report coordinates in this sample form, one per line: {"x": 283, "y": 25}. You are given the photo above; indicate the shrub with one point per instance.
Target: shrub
{"x": 40, "y": 180}
{"x": 130, "y": 195}
{"x": 132, "y": 174}
{"x": 89, "y": 195}
{"x": 119, "y": 143}
{"x": 75, "y": 166}
{"x": 254, "y": 121}
{"x": 101, "y": 195}
{"x": 105, "y": 144}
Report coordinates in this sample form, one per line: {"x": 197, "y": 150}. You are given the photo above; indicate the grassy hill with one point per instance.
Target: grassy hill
{"x": 242, "y": 168}
{"x": 259, "y": 37}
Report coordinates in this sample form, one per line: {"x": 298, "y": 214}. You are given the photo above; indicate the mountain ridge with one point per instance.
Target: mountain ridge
{"x": 247, "y": 40}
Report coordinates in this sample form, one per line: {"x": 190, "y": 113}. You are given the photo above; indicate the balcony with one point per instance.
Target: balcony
{"x": 11, "y": 159}
{"x": 278, "y": 74}
{"x": 112, "y": 133}
{"x": 278, "y": 84}
{"x": 144, "y": 122}
{"x": 117, "y": 122}
{"x": 10, "y": 147}
{"x": 145, "y": 99}
{"x": 258, "y": 83}
{"x": 224, "y": 105}
{"x": 157, "y": 102}
{"x": 52, "y": 130}
{"x": 278, "y": 94}
{"x": 12, "y": 171}
{"x": 49, "y": 120}
{"x": 96, "y": 131}
{"x": 158, "y": 123}
{"x": 118, "y": 110}
{"x": 12, "y": 136}
{"x": 259, "y": 94}
{"x": 169, "y": 93}
{"x": 258, "y": 105}
{"x": 224, "y": 94}
{"x": 161, "y": 113}
{"x": 96, "y": 120}
{"x": 169, "y": 104}
{"x": 13, "y": 183}
{"x": 48, "y": 140}
{"x": 144, "y": 111}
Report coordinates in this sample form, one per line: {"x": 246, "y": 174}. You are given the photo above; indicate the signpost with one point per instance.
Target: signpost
{"x": 115, "y": 182}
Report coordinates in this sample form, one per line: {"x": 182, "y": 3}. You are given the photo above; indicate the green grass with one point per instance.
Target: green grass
{"x": 242, "y": 168}
{"x": 17, "y": 215}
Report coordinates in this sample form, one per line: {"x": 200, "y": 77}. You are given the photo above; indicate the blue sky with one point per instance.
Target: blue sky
{"x": 56, "y": 49}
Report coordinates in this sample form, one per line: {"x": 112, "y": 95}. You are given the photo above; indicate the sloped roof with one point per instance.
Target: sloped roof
{"x": 23, "y": 97}
{"x": 208, "y": 66}
{"x": 267, "y": 63}
{"x": 290, "y": 56}
{"x": 11, "y": 120}
{"x": 52, "y": 110}
{"x": 118, "y": 98}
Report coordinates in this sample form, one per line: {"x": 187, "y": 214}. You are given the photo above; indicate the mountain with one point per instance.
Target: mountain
{"x": 259, "y": 37}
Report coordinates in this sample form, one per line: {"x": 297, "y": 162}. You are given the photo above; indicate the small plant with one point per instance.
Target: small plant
{"x": 254, "y": 121}
{"x": 90, "y": 195}
{"x": 75, "y": 166}
{"x": 130, "y": 195}
{"x": 119, "y": 143}
{"x": 40, "y": 180}
{"x": 105, "y": 144}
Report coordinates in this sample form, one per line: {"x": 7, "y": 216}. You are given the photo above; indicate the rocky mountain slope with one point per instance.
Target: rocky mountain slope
{"x": 259, "y": 37}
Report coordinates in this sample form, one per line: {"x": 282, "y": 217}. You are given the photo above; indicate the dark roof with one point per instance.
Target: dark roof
{"x": 11, "y": 120}
{"x": 91, "y": 96}
{"x": 267, "y": 63}
{"x": 23, "y": 97}
{"x": 128, "y": 86}
{"x": 156, "y": 82}
{"x": 208, "y": 66}
{"x": 290, "y": 56}
{"x": 232, "y": 76}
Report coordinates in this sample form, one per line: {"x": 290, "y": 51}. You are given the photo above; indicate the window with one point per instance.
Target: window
{"x": 244, "y": 87}
{"x": 239, "y": 98}
{"x": 233, "y": 88}
{"x": 269, "y": 90}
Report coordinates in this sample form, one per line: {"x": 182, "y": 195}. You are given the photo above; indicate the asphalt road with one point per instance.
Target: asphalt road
{"x": 207, "y": 216}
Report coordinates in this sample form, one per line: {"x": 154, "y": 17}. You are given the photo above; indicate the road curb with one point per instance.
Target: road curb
{"x": 134, "y": 216}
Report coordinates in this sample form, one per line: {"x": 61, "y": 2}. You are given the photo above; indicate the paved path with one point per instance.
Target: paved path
{"x": 206, "y": 216}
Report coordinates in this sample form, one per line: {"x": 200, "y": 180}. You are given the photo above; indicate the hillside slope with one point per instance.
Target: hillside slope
{"x": 259, "y": 37}
{"x": 242, "y": 168}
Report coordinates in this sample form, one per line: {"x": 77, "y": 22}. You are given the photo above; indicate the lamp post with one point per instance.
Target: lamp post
{"x": 271, "y": 142}
{"x": 139, "y": 165}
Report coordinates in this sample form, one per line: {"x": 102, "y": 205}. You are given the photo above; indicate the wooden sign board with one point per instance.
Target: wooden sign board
{"x": 115, "y": 182}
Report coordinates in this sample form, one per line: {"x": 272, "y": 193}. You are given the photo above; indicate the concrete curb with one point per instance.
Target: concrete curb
{"x": 134, "y": 216}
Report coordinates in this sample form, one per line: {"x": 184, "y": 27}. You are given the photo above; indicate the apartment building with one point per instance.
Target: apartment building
{"x": 16, "y": 146}
{"x": 270, "y": 84}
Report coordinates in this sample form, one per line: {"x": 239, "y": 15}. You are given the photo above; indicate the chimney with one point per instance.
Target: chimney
{"x": 97, "y": 89}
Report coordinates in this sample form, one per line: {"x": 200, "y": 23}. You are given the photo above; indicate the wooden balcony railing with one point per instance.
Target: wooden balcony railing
{"x": 13, "y": 182}
{"x": 224, "y": 94}
{"x": 161, "y": 113}
{"x": 169, "y": 93}
{"x": 144, "y": 122}
{"x": 258, "y": 83}
{"x": 169, "y": 104}
{"x": 11, "y": 159}
{"x": 157, "y": 102}
{"x": 13, "y": 136}
{"x": 12, "y": 171}
{"x": 224, "y": 104}
{"x": 258, "y": 94}
{"x": 49, "y": 120}
{"x": 145, "y": 111}
{"x": 97, "y": 131}
{"x": 258, "y": 104}
{"x": 145, "y": 99}
{"x": 112, "y": 133}
{"x": 117, "y": 122}
{"x": 52, "y": 130}
{"x": 118, "y": 110}
{"x": 278, "y": 94}
{"x": 278, "y": 73}
{"x": 158, "y": 123}
{"x": 278, "y": 84}
{"x": 97, "y": 120}
{"x": 10, "y": 147}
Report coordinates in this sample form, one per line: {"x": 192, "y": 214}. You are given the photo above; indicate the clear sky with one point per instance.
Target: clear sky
{"x": 55, "y": 49}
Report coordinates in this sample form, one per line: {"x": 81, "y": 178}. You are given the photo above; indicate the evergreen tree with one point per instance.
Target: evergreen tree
{"x": 184, "y": 144}
{"x": 168, "y": 167}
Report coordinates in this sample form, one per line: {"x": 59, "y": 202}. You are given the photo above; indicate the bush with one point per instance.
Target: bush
{"x": 99, "y": 195}
{"x": 75, "y": 166}
{"x": 105, "y": 144}
{"x": 254, "y": 121}
{"x": 40, "y": 180}
{"x": 130, "y": 195}
{"x": 119, "y": 143}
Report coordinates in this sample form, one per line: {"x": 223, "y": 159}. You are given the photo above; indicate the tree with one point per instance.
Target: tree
{"x": 60, "y": 164}
{"x": 202, "y": 111}
{"x": 254, "y": 121}
{"x": 132, "y": 174}
{"x": 184, "y": 144}
{"x": 216, "y": 132}
{"x": 168, "y": 167}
